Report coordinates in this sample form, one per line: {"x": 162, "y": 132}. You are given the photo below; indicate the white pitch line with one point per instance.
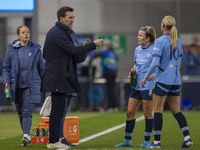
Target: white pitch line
{"x": 107, "y": 131}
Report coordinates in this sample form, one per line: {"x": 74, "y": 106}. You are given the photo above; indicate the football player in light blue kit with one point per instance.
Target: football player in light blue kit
{"x": 142, "y": 60}
{"x": 167, "y": 56}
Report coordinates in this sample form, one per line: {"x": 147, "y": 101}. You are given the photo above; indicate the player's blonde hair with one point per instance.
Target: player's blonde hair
{"x": 150, "y": 32}
{"x": 170, "y": 22}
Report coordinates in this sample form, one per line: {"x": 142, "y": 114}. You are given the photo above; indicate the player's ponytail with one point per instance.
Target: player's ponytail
{"x": 173, "y": 36}
{"x": 170, "y": 22}
{"x": 152, "y": 33}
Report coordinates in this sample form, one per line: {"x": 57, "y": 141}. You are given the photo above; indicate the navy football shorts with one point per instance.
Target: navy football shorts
{"x": 163, "y": 89}
{"x": 146, "y": 94}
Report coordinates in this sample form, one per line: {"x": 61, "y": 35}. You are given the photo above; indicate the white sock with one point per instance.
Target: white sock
{"x": 186, "y": 138}
{"x": 27, "y": 136}
{"x": 156, "y": 142}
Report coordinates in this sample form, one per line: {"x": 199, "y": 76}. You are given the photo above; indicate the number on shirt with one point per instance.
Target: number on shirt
{"x": 174, "y": 53}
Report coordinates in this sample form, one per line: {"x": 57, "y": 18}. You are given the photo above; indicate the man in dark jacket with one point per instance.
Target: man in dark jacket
{"x": 60, "y": 77}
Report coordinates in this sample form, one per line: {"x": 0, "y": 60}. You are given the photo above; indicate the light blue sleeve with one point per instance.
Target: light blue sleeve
{"x": 154, "y": 64}
{"x": 157, "y": 50}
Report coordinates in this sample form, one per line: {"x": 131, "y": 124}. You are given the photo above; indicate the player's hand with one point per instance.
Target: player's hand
{"x": 151, "y": 76}
{"x": 143, "y": 82}
{"x": 7, "y": 85}
{"x": 86, "y": 42}
{"x": 98, "y": 42}
{"x": 129, "y": 75}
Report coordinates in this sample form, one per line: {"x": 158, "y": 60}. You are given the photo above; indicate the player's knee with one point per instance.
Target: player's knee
{"x": 130, "y": 115}
{"x": 148, "y": 115}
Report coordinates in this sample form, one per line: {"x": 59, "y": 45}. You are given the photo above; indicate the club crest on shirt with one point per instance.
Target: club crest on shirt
{"x": 30, "y": 54}
{"x": 171, "y": 66}
{"x": 148, "y": 55}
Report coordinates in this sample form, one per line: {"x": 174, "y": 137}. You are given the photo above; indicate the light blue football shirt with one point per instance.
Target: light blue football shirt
{"x": 168, "y": 70}
{"x": 142, "y": 61}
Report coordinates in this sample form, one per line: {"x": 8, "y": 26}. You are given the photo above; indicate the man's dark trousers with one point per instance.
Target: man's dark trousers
{"x": 57, "y": 109}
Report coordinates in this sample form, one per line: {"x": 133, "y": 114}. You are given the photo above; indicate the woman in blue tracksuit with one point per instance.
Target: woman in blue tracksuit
{"x": 142, "y": 60}
{"x": 23, "y": 68}
{"x": 167, "y": 56}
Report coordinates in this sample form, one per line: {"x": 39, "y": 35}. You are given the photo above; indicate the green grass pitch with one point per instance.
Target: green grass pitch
{"x": 94, "y": 122}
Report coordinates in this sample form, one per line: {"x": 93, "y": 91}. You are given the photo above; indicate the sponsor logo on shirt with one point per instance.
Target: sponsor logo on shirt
{"x": 141, "y": 61}
{"x": 156, "y": 49}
